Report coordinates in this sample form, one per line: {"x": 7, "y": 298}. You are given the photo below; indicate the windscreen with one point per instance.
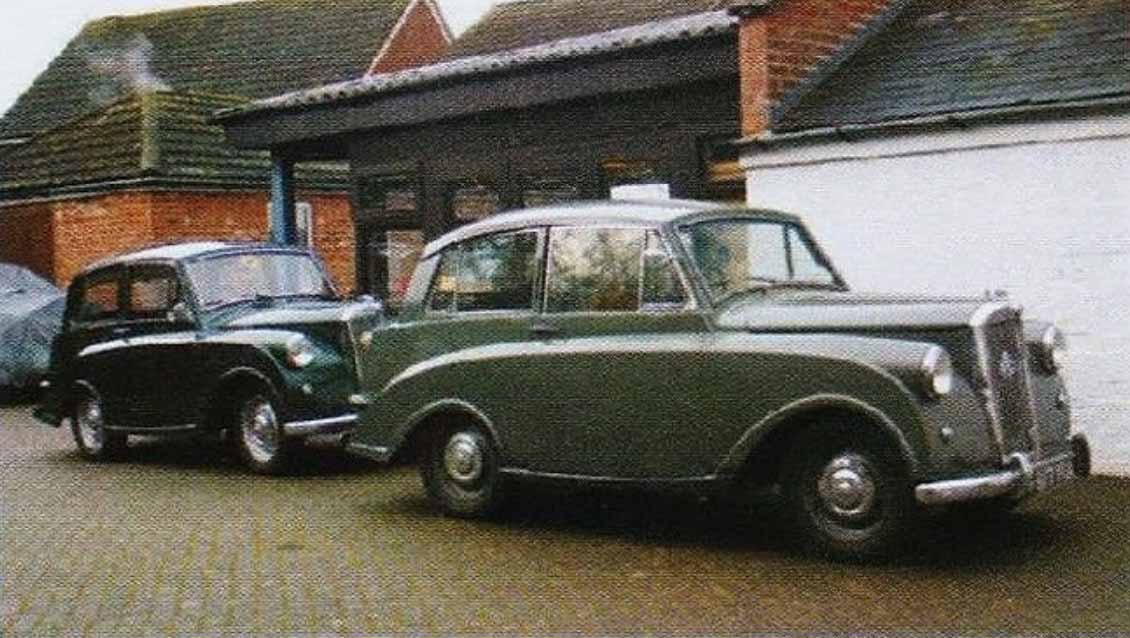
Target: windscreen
{"x": 229, "y": 279}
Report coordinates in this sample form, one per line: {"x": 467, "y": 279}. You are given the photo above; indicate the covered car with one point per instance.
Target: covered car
{"x": 31, "y": 314}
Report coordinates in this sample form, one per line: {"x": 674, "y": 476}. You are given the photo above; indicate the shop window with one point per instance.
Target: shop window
{"x": 472, "y": 202}
{"x": 549, "y": 192}
{"x": 389, "y": 195}
{"x": 392, "y": 256}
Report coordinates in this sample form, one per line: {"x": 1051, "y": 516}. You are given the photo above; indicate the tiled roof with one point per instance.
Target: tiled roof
{"x": 699, "y": 25}
{"x": 249, "y": 49}
{"x": 955, "y": 56}
{"x": 161, "y": 137}
{"x": 516, "y": 25}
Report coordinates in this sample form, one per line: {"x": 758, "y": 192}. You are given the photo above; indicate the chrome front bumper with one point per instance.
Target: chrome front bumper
{"x": 1024, "y": 478}
{"x": 336, "y": 425}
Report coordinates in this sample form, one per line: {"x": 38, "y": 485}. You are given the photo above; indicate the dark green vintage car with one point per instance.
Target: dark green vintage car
{"x": 687, "y": 345}
{"x": 191, "y": 338}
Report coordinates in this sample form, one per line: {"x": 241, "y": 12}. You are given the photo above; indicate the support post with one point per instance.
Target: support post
{"x": 283, "y": 219}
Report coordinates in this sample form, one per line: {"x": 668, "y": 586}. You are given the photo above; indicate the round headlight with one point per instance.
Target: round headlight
{"x": 937, "y": 372}
{"x": 299, "y": 351}
{"x": 1054, "y": 347}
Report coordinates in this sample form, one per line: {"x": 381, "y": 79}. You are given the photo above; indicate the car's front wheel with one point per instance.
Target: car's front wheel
{"x": 848, "y": 493}
{"x": 460, "y": 471}
{"x": 88, "y": 425}
{"x": 259, "y": 436}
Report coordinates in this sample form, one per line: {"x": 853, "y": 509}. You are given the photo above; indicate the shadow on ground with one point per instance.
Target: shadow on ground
{"x": 950, "y": 541}
{"x": 211, "y": 455}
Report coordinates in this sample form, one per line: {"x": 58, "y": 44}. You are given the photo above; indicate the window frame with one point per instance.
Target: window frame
{"x": 116, "y": 273}
{"x": 453, "y": 310}
{"x": 179, "y": 290}
{"x": 690, "y": 303}
{"x": 680, "y": 233}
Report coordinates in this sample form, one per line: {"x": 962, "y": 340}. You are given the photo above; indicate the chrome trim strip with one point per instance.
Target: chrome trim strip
{"x": 1026, "y": 369}
{"x": 170, "y": 429}
{"x": 335, "y": 425}
{"x": 1018, "y": 480}
{"x": 989, "y": 391}
{"x": 371, "y": 452}
{"x": 606, "y": 480}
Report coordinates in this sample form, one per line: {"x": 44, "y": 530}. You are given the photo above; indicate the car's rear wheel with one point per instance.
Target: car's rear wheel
{"x": 460, "y": 471}
{"x": 259, "y": 436}
{"x": 848, "y": 493}
{"x": 88, "y": 426}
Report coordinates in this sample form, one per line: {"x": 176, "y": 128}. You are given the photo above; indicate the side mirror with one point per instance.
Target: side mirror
{"x": 180, "y": 314}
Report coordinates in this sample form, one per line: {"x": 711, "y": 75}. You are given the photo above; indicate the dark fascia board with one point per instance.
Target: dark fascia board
{"x": 1026, "y": 113}
{"x": 560, "y": 81}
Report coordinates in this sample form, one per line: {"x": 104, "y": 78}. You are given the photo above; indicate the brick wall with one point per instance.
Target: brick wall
{"x": 27, "y": 235}
{"x": 87, "y": 230}
{"x": 779, "y": 47}
{"x": 57, "y": 239}
{"x": 243, "y": 216}
{"x": 421, "y": 40}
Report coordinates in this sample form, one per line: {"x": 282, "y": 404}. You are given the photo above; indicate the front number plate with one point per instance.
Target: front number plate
{"x": 1053, "y": 474}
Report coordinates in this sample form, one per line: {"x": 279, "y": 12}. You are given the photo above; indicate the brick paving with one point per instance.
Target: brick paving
{"x": 177, "y": 540}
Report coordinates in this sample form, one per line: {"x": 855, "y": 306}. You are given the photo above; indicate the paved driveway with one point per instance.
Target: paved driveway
{"x": 178, "y": 541}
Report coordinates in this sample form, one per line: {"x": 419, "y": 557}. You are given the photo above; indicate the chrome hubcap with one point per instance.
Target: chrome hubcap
{"x": 260, "y": 430}
{"x": 463, "y": 458}
{"x": 847, "y": 487}
{"x": 89, "y": 417}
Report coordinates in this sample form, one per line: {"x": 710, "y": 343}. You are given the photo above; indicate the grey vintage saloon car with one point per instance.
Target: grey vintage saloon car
{"x": 674, "y": 345}
{"x": 250, "y": 339}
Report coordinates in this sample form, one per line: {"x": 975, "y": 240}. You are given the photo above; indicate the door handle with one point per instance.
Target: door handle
{"x": 544, "y": 330}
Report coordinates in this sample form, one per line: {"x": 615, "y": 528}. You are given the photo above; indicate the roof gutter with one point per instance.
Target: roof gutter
{"x": 948, "y": 121}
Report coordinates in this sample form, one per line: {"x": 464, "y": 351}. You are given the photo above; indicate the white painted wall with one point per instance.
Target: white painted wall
{"x": 1048, "y": 221}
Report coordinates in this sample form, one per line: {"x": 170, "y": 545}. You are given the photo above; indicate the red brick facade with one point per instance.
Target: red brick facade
{"x": 781, "y": 45}
{"x": 420, "y": 39}
{"x": 60, "y": 237}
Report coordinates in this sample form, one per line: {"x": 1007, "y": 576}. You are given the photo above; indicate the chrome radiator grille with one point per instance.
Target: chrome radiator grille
{"x": 1003, "y": 359}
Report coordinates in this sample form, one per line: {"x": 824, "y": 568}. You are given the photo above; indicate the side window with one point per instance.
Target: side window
{"x": 488, "y": 274}
{"x": 662, "y": 289}
{"x": 594, "y": 270}
{"x": 100, "y": 298}
{"x": 152, "y": 291}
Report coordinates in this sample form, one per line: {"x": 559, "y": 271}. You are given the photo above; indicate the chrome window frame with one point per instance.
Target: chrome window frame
{"x": 689, "y": 305}
{"x": 453, "y": 311}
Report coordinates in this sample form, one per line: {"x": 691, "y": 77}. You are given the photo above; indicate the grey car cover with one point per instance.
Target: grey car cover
{"x": 31, "y": 314}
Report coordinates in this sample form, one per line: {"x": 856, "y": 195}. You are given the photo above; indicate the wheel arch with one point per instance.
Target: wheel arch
{"x": 76, "y": 389}
{"x": 428, "y": 420}
{"x": 761, "y": 452}
{"x": 230, "y": 386}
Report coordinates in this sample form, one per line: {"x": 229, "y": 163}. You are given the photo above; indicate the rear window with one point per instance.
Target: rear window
{"x": 152, "y": 291}
{"x": 100, "y": 297}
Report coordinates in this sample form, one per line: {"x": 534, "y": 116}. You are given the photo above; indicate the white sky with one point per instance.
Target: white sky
{"x": 33, "y": 32}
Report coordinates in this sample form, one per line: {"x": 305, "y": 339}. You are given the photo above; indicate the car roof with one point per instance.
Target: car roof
{"x": 188, "y": 252}
{"x": 649, "y": 213}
